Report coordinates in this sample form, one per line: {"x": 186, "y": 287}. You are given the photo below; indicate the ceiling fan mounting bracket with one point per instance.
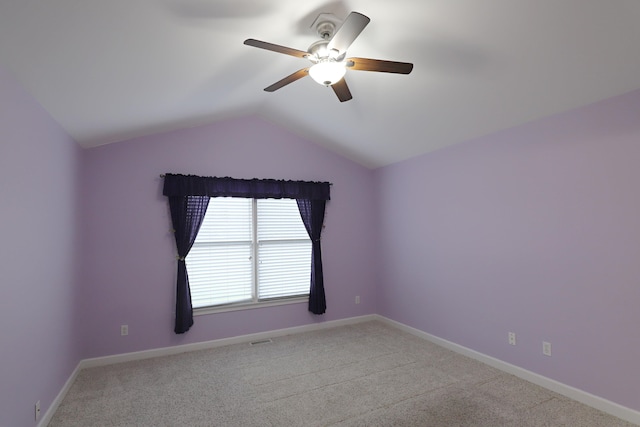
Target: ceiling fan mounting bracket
{"x": 325, "y": 25}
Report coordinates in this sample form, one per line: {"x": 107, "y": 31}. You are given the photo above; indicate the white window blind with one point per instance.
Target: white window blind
{"x": 247, "y": 251}
{"x": 284, "y": 250}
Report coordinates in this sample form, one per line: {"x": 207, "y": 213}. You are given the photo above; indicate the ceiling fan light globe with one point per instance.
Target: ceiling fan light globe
{"x": 327, "y": 73}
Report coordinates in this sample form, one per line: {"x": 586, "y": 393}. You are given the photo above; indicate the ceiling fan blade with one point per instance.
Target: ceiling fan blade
{"x": 289, "y": 79}
{"x": 342, "y": 90}
{"x": 348, "y": 32}
{"x": 276, "y": 48}
{"x": 367, "y": 64}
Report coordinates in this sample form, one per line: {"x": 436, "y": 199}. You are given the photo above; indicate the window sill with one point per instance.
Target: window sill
{"x": 248, "y": 306}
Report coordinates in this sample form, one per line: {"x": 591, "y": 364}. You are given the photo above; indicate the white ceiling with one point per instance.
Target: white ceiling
{"x": 110, "y": 70}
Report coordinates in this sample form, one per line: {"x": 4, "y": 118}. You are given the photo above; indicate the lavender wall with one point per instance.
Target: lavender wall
{"x": 129, "y": 256}
{"x": 38, "y": 212}
{"x": 534, "y": 230}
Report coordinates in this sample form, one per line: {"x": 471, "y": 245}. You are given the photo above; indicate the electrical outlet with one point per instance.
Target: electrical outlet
{"x": 124, "y": 330}
{"x": 37, "y": 408}
{"x": 512, "y": 338}
{"x": 357, "y": 299}
{"x": 546, "y": 348}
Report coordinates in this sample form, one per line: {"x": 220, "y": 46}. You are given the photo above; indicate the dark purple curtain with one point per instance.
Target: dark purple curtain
{"x": 187, "y": 213}
{"x": 191, "y": 185}
{"x": 312, "y": 213}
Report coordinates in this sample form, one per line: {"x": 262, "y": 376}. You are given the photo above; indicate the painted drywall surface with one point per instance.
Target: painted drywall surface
{"x": 534, "y": 230}
{"x": 38, "y": 176}
{"x": 129, "y": 258}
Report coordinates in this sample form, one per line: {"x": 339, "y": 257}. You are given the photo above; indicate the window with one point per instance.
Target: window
{"x": 189, "y": 196}
{"x": 249, "y": 251}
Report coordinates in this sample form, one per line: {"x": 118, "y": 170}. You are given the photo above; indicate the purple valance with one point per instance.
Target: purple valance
{"x": 176, "y": 185}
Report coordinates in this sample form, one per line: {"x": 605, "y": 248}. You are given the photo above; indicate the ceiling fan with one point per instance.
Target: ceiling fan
{"x": 328, "y": 55}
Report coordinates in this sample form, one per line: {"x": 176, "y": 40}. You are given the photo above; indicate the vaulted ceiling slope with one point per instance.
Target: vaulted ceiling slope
{"x": 111, "y": 70}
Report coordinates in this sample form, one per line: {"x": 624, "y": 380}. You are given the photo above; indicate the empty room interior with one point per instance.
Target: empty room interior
{"x": 480, "y": 162}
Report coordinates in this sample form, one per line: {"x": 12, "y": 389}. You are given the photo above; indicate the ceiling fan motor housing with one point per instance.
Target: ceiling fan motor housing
{"x": 319, "y": 52}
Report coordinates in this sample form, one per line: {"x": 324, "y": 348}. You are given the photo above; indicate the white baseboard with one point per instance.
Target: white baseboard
{"x": 581, "y": 396}
{"x": 602, "y": 404}
{"x": 46, "y": 418}
{"x": 166, "y": 351}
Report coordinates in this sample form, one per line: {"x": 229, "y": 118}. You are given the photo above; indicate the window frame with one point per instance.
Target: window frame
{"x": 255, "y": 301}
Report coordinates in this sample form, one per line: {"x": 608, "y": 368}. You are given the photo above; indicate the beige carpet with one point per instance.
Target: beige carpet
{"x": 368, "y": 374}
